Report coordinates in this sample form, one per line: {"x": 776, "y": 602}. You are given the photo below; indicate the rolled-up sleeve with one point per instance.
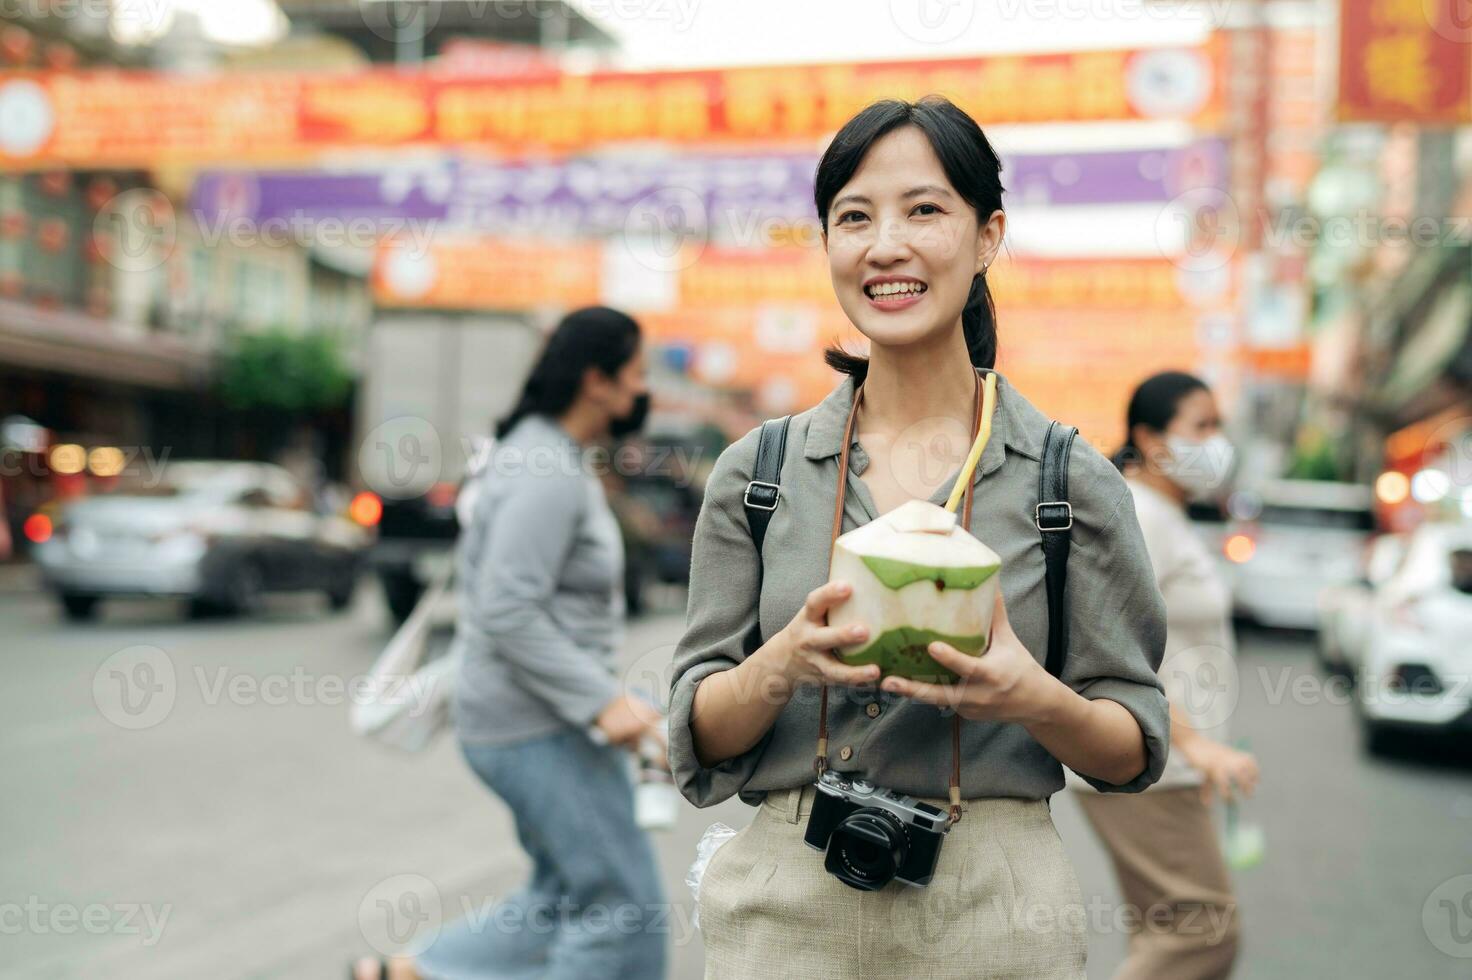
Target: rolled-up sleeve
{"x": 725, "y": 582}
{"x": 1117, "y": 632}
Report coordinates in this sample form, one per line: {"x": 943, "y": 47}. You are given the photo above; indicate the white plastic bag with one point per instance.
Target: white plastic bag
{"x": 716, "y": 836}
{"x": 408, "y": 699}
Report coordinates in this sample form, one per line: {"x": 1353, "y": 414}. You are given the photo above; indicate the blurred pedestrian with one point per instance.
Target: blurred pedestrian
{"x": 1163, "y": 842}
{"x": 538, "y": 709}
{"x": 910, "y": 200}
{"x": 6, "y": 546}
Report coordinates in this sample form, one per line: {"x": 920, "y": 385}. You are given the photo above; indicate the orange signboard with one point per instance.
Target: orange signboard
{"x": 109, "y": 118}
{"x": 487, "y": 274}
{"x": 1405, "y": 61}
{"x": 498, "y": 273}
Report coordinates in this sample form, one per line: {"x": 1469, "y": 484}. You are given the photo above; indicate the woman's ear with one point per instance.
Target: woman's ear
{"x": 1149, "y": 443}
{"x": 989, "y": 240}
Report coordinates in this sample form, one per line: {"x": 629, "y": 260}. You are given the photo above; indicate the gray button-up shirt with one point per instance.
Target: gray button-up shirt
{"x": 1116, "y": 616}
{"x": 540, "y": 579}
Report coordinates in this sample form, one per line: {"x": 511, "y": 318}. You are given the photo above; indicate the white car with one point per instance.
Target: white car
{"x": 1414, "y": 668}
{"x": 1288, "y": 540}
{"x": 1344, "y": 610}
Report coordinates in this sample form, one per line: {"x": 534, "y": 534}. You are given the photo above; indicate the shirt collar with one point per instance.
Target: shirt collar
{"x": 1012, "y": 426}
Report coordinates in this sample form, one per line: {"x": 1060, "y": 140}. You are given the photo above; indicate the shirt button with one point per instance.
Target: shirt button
{"x": 846, "y": 753}
{"x": 872, "y": 710}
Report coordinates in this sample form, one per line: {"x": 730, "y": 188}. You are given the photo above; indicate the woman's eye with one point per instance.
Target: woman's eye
{"x": 926, "y": 209}
{"x": 850, "y": 217}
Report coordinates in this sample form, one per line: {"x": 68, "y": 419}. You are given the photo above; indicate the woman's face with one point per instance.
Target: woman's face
{"x": 903, "y": 246}
{"x": 1196, "y": 420}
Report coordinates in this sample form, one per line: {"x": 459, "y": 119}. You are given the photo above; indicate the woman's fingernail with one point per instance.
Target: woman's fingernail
{"x": 858, "y": 632}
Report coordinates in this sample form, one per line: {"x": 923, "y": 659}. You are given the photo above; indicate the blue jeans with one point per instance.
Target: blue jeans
{"x": 594, "y": 907}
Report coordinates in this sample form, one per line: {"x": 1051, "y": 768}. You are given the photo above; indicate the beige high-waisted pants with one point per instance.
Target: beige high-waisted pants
{"x": 1004, "y": 903}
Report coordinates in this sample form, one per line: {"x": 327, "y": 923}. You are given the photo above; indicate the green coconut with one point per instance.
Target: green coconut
{"x": 917, "y": 577}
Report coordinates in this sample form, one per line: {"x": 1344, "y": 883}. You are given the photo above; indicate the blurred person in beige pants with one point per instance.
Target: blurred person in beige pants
{"x": 1163, "y": 841}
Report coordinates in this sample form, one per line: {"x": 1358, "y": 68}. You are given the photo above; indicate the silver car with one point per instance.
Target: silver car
{"x": 1289, "y": 540}
{"x": 220, "y": 534}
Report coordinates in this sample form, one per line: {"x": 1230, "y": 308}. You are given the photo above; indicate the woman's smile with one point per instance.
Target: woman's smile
{"x": 890, "y": 294}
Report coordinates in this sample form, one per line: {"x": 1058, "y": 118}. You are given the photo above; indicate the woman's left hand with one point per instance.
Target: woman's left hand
{"x": 1003, "y": 684}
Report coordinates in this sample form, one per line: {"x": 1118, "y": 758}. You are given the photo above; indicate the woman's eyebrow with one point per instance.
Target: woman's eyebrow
{"x": 920, "y": 191}
{"x": 924, "y": 189}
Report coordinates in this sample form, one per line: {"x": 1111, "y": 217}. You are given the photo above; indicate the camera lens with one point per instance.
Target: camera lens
{"x": 867, "y": 849}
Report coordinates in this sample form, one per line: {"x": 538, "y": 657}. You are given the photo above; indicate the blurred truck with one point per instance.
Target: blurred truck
{"x": 433, "y": 386}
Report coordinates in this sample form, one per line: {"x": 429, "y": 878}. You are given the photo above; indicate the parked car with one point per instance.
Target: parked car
{"x": 220, "y": 534}
{"x": 1415, "y": 662}
{"x": 1344, "y": 610}
{"x": 1288, "y": 540}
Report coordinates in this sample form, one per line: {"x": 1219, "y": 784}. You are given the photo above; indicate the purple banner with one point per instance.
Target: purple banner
{"x": 600, "y": 195}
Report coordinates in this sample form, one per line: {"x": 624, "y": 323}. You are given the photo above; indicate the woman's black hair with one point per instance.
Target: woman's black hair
{"x": 596, "y": 337}
{"x": 971, "y": 165}
{"x": 1154, "y": 405}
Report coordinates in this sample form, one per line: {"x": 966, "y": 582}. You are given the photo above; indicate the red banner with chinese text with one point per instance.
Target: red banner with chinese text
{"x": 115, "y": 119}
{"x": 1405, "y": 61}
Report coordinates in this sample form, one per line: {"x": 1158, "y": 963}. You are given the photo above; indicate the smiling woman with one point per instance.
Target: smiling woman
{"x": 910, "y": 199}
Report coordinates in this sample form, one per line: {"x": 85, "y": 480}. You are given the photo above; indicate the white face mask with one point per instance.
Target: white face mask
{"x": 1199, "y": 468}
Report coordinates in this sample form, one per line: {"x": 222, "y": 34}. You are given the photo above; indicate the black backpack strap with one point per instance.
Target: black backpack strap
{"x": 764, "y": 490}
{"x": 1054, "y": 520}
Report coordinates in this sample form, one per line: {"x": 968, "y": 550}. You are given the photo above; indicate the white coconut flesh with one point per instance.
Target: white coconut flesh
{"x": 917, "y": 577}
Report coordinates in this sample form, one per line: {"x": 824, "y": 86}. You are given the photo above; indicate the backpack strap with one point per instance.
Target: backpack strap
{"x": 1054, "y": 519}
{"x": 764, "y": 490}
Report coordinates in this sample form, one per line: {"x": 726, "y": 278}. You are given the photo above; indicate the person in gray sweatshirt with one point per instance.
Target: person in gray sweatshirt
{"x": 538, "y": 708}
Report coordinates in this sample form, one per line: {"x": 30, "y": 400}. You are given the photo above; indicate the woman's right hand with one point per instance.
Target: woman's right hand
{"x": 807, "y": 643}
{"x": 626, "y": 720}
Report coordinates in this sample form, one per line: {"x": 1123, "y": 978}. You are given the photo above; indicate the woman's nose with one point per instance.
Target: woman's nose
{"x": 891, "y": 241}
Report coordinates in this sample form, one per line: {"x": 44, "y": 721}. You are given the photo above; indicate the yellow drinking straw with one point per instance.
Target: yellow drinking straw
{"x": 988, "y": 405}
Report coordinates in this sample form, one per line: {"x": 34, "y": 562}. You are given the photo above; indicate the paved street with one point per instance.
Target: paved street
{"x": 233, "y": 827}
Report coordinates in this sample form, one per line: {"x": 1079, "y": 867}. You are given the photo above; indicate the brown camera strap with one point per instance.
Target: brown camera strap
{"x": 821, "y": 762}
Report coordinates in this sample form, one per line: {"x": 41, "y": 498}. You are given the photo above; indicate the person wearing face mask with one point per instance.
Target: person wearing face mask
{"x": 538, "y": 709}
{"x": 1163, "y": 842}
